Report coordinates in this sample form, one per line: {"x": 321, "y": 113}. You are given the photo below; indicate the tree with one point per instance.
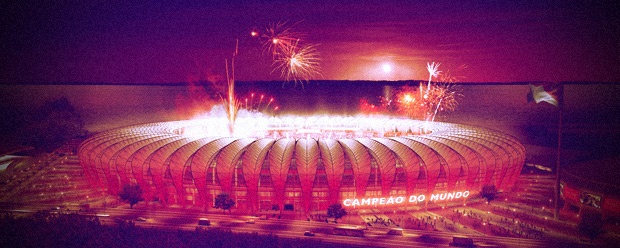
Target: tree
{"x": 131, "y": 194}
{"x": 488, "y": 192}
{"x": 224, "y": 202}
{"x": 52, "y": 125}
{"x": 336, "y": 211}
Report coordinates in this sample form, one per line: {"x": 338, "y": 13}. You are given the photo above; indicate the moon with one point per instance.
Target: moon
{"x": 386, "y": 67}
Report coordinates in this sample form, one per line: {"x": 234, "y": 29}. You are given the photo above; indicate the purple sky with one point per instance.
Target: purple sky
{"x": 123, "y": 42}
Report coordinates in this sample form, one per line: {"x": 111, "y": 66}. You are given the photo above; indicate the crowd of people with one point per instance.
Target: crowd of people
{"x": 387, "y": 222}
{"x": 507, "y": 227}
{"x": 423, "y": 223}
{"x": 520, "y": 217}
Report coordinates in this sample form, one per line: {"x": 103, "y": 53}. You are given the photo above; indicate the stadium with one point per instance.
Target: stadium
{"x": 298, "y": 163}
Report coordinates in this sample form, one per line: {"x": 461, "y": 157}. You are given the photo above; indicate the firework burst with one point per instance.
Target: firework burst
{"x": 279, "y": 38}
{"x": 452, "y": 76}
{"x": 295, "y": 61}
{"x": 442, "y": 98}
{"x": 433, "y": 72}
{"x": 367, "y": 107}
{"x": 407, "y": 103}
{"x": 298, "y": 63}
{"x": 445, "y": 95}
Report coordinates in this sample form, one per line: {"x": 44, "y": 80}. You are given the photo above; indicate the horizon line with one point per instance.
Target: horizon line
{"x": 307, "y": 82}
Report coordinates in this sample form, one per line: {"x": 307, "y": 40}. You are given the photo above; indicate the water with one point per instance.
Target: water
{"x": 590, "y": 117}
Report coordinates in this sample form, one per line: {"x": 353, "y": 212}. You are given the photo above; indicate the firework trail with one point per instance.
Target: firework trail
{"x": 231, "y": 103}
{"x": 261, "y": 100}
{"x": 260, "y": 107}
{"x": 269, "y": 103}
{"x": 433, "y": 72}
{"x": 252, "y": 100}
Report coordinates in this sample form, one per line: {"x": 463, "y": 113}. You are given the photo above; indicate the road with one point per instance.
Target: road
{"x": 376, "y": 237}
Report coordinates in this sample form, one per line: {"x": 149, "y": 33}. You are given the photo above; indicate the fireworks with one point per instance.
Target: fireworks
{"x": 298, "y": 63}
{"x": 403, "y": 102}
{"x": 446, "y": 94}
{"x": 443, "y": 97}
{"x": 259, "y": 125}
{"x": 433, "y": 72}
{"x": 250, "y": 106}
{"x": 436, "y": 98}
{"x": 440, "y": 98}
{"x": 450, "y": 76}
{"x": 406, "y": 103}
{"x": 368, "y": 108}
{"x": 279, "y": 38}
{"x": 295, "y": 61}
{"x": 231, "y": 103}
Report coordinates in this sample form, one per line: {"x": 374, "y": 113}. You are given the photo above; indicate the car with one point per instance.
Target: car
{"x": 140, "y": 219}
{"x": 462, "y": 241}
{"x": 395, "y": 231}
{"x": 250, "y": 221}
{"x": 204, "y": 222}
{"x": 308, "y": 233}
{"x": 426, "y": 238}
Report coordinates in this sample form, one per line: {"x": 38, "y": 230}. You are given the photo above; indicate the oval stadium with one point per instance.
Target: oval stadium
{"x": 301, "y": 163}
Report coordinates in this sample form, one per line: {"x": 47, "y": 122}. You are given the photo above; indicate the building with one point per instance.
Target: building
{"x": 592, "y": 187}
{"x": 303, "y": 169}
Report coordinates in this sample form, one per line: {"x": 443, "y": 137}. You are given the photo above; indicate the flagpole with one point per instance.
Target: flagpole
{"x": 556, "y": 214}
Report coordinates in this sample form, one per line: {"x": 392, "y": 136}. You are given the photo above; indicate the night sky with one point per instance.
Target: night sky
{"x": 135, "y": 42}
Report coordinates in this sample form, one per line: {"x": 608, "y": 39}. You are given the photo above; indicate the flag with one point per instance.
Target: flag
{"x": 545, "y": 91}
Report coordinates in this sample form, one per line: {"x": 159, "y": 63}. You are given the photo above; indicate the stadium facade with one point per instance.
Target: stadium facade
{"x": 302, "y": 171}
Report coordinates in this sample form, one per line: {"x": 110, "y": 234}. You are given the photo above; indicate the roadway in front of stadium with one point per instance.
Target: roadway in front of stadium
{"x": 286, "y": 228}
